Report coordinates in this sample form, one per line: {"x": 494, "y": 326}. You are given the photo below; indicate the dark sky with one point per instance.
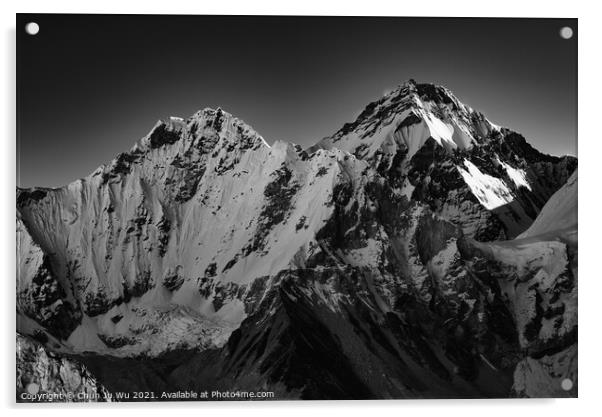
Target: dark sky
{"x": 90, "y": 86}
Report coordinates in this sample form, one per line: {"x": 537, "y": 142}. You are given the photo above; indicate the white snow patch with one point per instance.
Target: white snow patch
{"x": 560, "y": 212}
{"x": 490, "y": 191}
{"x": 518, "y": 176}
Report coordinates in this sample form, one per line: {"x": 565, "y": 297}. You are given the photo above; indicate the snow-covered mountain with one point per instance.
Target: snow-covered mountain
{"x": 537, "y": 276}
{"x": 398, "y": 258}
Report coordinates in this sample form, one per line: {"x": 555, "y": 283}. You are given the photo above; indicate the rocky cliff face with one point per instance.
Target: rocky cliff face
{"x": 391, "y": 260}
{"x": 43, "y": 376}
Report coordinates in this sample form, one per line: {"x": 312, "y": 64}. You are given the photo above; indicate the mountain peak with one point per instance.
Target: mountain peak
{"x": 411, "y": 90}
{"x": 185, "y": 145}
{"x": 405, "y": 118}
{"x": 203, "y": 124}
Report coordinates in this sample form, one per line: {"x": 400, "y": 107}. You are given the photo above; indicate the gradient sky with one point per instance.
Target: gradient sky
{"x": 90, "y": 86}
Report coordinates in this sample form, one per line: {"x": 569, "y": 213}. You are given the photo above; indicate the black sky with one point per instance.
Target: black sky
{"x": 89, "y": 86}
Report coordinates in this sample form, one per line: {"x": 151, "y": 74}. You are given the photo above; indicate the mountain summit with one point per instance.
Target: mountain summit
{"x": 401, "y": 257}
{"x": 404, "y": 119}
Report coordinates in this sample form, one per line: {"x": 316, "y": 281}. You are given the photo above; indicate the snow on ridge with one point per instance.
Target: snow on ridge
{"x": 518, "y": 176}
{"x": 560, "y": 211}
{"x": 385, "y": 125}
{"x": 490, "y": 191}
{"x": 450, "y": 135}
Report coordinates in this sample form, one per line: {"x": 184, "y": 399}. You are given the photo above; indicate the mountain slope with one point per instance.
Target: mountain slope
{"x": 186, "y": 226}
{"x": 435, "y": 149}
{"x": 559, "y": 213}
{"x": 537, "y": 274}
{"x": 363, "y": 267}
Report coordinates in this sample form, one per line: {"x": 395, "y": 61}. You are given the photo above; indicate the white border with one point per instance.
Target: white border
{"x": 590, "y": 162}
